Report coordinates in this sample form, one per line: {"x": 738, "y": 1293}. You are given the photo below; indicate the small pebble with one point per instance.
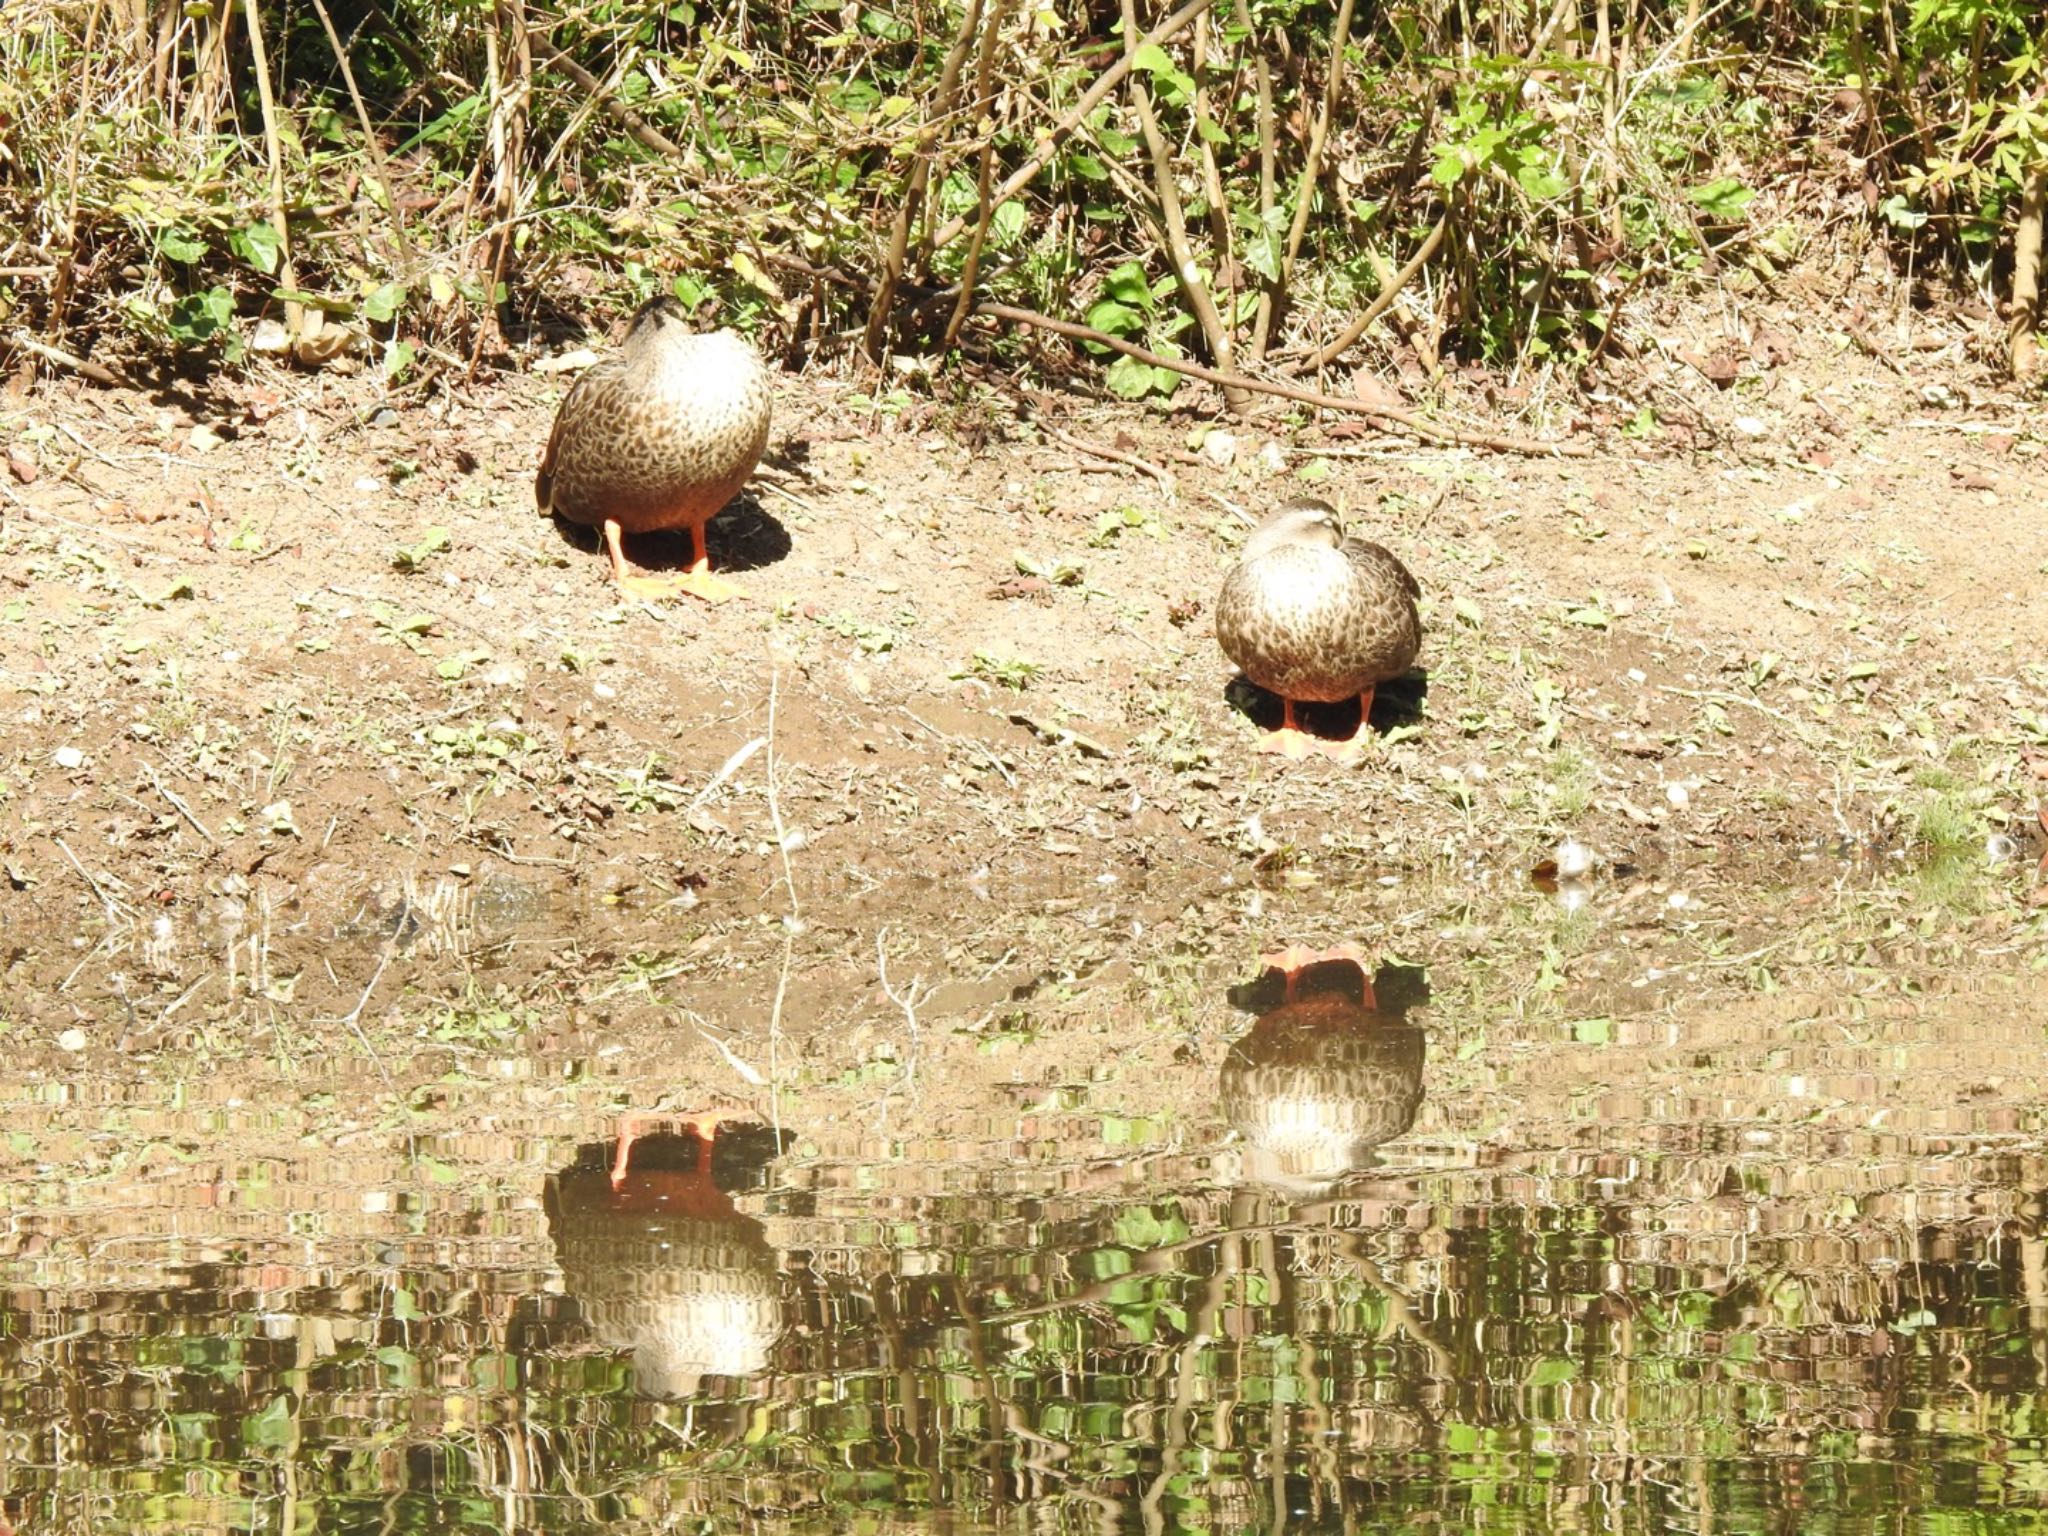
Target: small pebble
{"x": 72, "y": 1040}
{"x": 69, "y": 757}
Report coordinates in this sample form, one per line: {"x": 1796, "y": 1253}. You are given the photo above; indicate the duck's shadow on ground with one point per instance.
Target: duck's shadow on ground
{"x": 1398, "y": 701}
{"x": 746, "y": 536}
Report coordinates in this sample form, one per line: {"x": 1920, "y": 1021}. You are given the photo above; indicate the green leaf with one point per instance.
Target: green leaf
{"x": 1129, "y": 379}
{"x": 1128, "y": 283}
{"x": 180, "y": 244}
{"x": 384, "y": 304}
{"x": 1723, "y": 198}
{"x": 1468, "y": 611}
{"x": 272, "y": 1428}
{"x": 258, "y": 245}
{"x": 199, "y": 319}
{"x": 1115, "y": 318}
{"x": 1154, "y": 60}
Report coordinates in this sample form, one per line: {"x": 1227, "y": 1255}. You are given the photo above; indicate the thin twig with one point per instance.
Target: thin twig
{"x": 636, "y": 125}
{"x": 1406, "y": 419}
{"x": 1173, "y": 229}
{"x": 353, "y": 1018}
{"x": 1074, "y": 116}
{"x": 260, "y": 62}
{"x": 371, "y": 142}
{"x": 1114, "y": 455}
{"x": 984, "y": 186}
{"x": 920, "y": 177}
{"x": 789, "y": 928}
{"x": 1269, "y": 293}
{"x": 1318, "y": 133}
{"x": 63, "y": 359}
{"x": 907, "y": 1000}
{"x": 178, "y": 804}
{"x": 113, "y": 907}
{"x": 1382, "y": 302}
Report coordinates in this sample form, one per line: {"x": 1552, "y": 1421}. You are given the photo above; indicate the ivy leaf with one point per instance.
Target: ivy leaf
{"x": 258, "y": 245}
{"x": 1129, "y": 379}
{"x": 180, "y": 244}
{"x": 384, "y": 304}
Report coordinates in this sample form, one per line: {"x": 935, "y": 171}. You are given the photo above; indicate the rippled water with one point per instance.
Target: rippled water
{"x": 1181, "y": 1247}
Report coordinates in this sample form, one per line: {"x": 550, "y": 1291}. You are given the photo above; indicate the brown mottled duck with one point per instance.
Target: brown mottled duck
{"x": 664, "y": 1265}
{"x": 1329, "y": 1072}
{"x": 1316, "y": 617}
{"x": 662, "y": 434}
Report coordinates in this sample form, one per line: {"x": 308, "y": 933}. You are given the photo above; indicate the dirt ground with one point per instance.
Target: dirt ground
{"x": 284, "y": 656}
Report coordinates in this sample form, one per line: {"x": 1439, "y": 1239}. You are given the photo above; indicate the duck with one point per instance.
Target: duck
{"x": 1330, "y": 1069}
{"x": 661, "y": 434}
{"x": 665, "y": 1266}
{"x": 1316, "y": 617}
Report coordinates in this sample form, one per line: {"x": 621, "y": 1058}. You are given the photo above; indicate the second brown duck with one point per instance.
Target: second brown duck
{"x": 662, "y": 434}
{"x": 1317, "y": 617}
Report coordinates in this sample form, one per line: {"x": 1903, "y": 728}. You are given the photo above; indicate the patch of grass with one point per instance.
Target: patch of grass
{"x": 1946, "y": 821}
{"x": 1572, "y": 780}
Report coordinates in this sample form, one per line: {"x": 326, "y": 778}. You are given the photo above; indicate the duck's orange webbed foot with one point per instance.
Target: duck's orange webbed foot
{"x": 1295, "y": 959}
{"x": 1290, "y": 741}
{"x": 695, "y": 582}
{"x": 1299, "y": 957}
{"x": 703, "y": 1125}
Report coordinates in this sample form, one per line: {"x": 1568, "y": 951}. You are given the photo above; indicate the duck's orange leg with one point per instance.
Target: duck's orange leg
{"x": 1290, "y": 741}
{"x": 695, "y": 582}
{"x": 1296, "y": 958}
{"x": 1352, "y": 747}
{"x": 703, "y": 1125}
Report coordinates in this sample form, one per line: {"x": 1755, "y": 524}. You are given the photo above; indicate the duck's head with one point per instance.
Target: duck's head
{"x": 1307, "y": 522}
{"x": 661, "y": 318}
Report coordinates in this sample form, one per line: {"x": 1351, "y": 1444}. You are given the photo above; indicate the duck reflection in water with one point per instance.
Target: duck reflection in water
{"x": 1331, "y": 1069}
{"x": 663, "y": 1264}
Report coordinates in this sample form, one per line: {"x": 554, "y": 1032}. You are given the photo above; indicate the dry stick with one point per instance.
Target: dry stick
{"x": 985, "y": 203}
{"x": 1312, "y": 165}
{"x": 1212, "y": 178}
{"x": 63, "y": 359}
{"x": 508, "y": 149}
{"x": 294, "y": 312}
{"x": 1610, "y": 163}
{"x": 1382, "y": 302}
{"x": 1173, "y": 225}
{"x": 178, "y": 804}
{"x": 1405, "y": 419}
{"x": 920, "y": 176}
{"x": 1114, "y": 455}
{"x": 789, "y": 929}
{"x": 1075, "y": 115}
{"x": 643, "y": 131}
{"x": 2023, "y": 349}
{"x": 371, "y": 143}
{"x": 1269, "y": 295}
